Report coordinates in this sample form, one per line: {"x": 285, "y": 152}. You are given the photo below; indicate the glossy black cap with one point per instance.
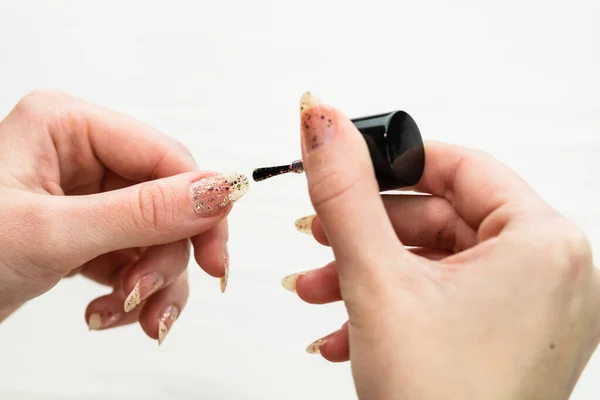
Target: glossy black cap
{"x": 396, "y": 148}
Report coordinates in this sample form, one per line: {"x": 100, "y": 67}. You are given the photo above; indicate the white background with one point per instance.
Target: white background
{"x": 520, "y": 79}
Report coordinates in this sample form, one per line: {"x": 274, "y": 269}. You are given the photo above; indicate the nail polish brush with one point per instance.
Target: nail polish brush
{"x": 395, "y": 146}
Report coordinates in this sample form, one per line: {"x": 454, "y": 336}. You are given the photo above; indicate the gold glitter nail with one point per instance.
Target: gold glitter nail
{"x": 165, "y": 322}
{"x": 102, "y": 320}
{"x": 289, "y": 282}
{"x": 315, "y": 347}
{"x": 144, "y": 287}
{"x": 213, "y": 195}
{"x": 304, "y": 224}
{"x": 223, "y": 280}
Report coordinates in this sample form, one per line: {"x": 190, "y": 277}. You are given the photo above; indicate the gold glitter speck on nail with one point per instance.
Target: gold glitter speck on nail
{"x": 144, "y": 287}
{"x": 165, "y": 322}
{"x": 214, "y": 194}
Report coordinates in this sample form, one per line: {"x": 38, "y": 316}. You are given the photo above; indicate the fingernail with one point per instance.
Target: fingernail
{"x": 304, "y": 224}
{"x": 289, "y": 282}
{"x": 315, "y": 347}
{"x": 165, "y": 322}
{"x": 213, "y": 195}
{"x": 102, "y": 320}
{"x": 144, "y": 287}
{"x": 318, "y": 122}
{"x": 224, "y": 278}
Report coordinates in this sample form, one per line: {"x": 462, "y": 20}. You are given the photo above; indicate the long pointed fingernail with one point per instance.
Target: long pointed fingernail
{"x": 224, "y": 278}
{"x": 315, "y": 347}
{"x": 166, "y": 321}
{"x": 102, "y": 320}
{"x": 289, "y": 282}
{"x": 213, "y": 195}
{"x": 304, "y": 224}
{"x": 144, "y": 287}
{"x": 318, "y": 122}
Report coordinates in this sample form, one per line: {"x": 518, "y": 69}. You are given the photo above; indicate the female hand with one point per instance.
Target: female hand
{"x": 497, "y": 299}
{"x": 87, "y": 190}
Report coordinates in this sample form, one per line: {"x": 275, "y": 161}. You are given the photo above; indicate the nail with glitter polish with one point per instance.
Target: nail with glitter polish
{"x": 304, "y": 224}
{"x": 224, "y": 278}
{"x": 102, "y": 320}
{"x": 318, "y": 122}
{"x": 144, "y": 287}
{"x": 289, "y": 282}
{"x": 165, "y": 322}
{"x": 315, "y": 347}
{"x": 213, "y": 195}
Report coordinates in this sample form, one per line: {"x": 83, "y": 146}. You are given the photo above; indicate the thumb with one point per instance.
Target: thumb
{"x": 150, "y": 213}
{"x": 345, "y": 194}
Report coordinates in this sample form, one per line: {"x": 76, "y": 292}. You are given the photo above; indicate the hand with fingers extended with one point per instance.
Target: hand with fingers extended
{"x": 476, "y": 289}
{"x": 86, "y": 190}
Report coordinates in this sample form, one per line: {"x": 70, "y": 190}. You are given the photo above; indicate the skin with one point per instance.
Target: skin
{"x": 497, "y": 297}
{"x": 85, "y": 190}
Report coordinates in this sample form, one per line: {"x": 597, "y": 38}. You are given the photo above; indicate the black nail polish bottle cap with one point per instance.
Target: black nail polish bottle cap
{"x": 396, "y": 148}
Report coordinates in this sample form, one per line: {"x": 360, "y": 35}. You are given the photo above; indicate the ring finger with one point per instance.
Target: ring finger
{"x": 156, "y": 269}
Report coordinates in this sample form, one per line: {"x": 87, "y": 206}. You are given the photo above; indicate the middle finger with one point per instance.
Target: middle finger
{"x": 419, "y": 220}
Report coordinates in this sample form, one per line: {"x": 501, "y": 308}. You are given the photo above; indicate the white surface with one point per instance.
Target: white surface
{"x": 520, "y": 79}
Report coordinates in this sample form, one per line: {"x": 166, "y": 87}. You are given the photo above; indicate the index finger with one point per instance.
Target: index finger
{"x": 476, "y": 184}
{"x": 133, "y": 149}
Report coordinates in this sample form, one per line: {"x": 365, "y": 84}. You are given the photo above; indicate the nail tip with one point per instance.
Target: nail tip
{"x": 128, "y": 307}
{"x": 241, "y": 189}
{"x": 315, "y": 347}
{"x": 225, "y": 278}
{"x": 94, "y": 322}
{"x": 162, "y": 332}
{"x": 289, "y": 282}
{"x": 304, "y": 224}
{"x": 308, "y": 101}
{"x": 166, "y": 321}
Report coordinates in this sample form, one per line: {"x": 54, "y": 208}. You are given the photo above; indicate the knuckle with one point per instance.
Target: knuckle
{"x": 181, "y": 151}
{"x": 568, "y": 250}
{"x": 39, "y": 101}
{"x": 445, "y": 217}
{"x": 331, "y": 187}
{"x": 183, "y": 148}
{"x": 575, "y": 249}
{"x": 155, "y": 207}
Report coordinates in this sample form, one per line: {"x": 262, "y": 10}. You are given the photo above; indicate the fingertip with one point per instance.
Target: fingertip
{"x": 311, "y": 225}
{"x": 333, "y": 353}
{"x": 160, "y": 312}
{"x": 334, "y": 347}
{"x": 320, "y": 286}
{"x": 210, "y": 250}
{"x": 106, "y": 312}
{"x": 337, "y": 348}
{"x": 304, "y": 224}
{"x": 319, "y": 233}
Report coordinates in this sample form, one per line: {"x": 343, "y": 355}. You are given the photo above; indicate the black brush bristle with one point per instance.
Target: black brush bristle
{"x": 260, "y": 174}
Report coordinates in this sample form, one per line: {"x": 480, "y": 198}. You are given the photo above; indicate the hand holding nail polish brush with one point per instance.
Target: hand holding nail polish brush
{"x": 477, "y": 285}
